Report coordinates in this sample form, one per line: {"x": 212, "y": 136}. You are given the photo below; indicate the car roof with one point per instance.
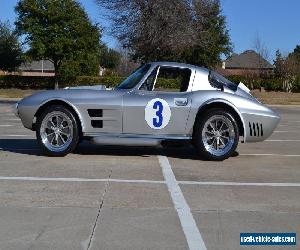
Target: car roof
{"x": 180, "y": 65}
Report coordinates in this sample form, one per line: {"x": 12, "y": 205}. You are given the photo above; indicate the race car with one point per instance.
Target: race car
{"x": 159, "y": 102}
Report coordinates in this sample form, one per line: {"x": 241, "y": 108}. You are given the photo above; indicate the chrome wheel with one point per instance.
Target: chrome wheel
{"x": 218, "y": 135}
{"x": 56, "y": 131}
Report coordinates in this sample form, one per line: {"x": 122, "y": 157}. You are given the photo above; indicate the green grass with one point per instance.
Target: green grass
{"x": 277, "y": 98}
{"x": 15, "y": 93}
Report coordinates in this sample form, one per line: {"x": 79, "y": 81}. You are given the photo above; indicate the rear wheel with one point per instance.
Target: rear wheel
{"x": 57, "y": 131}
{"x": 216, "y": 135}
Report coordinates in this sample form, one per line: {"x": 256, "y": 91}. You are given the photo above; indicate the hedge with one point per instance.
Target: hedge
{"x": 34, "y": 82}
{"x": 269, "y": 84}
{"x": 26, "y": 82}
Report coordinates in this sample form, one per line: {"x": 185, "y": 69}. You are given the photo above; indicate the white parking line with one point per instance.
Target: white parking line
{"x": 269, "y": 155}
{"x": 15, "y": 135}
{"x": 13, "y": 119}
{"x": 203, "y": 183}
{"x": 25, "y": 178}
{"x": 282, "y": 140}
{"x": 189, "y": 227}
{"x": 287, "y": 131}
{"x": 288, "y": 125}
{"x": 213, "y": 183}
{"x": 20, "y": 149}
{"x": 6, "y": 125}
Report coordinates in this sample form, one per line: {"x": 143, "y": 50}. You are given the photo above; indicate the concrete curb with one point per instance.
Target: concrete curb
{"x": 9, "y": 100}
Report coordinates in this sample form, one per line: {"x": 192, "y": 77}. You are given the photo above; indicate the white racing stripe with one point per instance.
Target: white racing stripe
{"x": 260, "y": 184}
{"x": 189, "y": 227}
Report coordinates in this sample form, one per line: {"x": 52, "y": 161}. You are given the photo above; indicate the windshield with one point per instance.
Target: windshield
{"x": 134, "y": 78}
{"x": 216, "y": 79}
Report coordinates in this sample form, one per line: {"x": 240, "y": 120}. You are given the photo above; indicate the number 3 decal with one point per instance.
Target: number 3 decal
{"x": 157, "y": 122}
{"x": 157, "y": 113}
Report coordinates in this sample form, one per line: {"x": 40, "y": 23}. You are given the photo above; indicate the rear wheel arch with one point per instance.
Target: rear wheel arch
{"x": 56, "y": 102}
{"x": 225, "y": 106}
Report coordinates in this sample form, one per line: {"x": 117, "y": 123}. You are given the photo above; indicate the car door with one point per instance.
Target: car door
{"x": 161, "y": 105}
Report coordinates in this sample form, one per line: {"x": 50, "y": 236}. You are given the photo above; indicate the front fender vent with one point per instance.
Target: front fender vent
{"x": 256, "y": 129}
{"x": 95, "y": 112}
{"x": 97, "y": 123}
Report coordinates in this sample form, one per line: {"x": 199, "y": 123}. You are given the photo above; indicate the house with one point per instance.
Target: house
{"x": 247, "y": 63}
{"x": 40, "y": 68}
{"x": 37, "y": 68}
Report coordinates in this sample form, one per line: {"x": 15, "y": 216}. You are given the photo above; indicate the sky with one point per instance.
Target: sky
{"x": 276, "y": 22}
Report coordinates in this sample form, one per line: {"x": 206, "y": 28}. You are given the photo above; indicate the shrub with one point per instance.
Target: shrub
{"x": 273, "y": 84}
{"x": 34, "y": 82}
{"x": 26, "y": 82}
{"x": 111, "y": 81}
{"x": 296, "y": 85}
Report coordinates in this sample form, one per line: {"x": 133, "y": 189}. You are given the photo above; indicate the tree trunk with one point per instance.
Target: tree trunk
{"x": 56, "y": 75}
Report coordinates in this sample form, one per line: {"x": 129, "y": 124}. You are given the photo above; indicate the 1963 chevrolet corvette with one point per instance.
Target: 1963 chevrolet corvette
{"x": 159, "y": 102}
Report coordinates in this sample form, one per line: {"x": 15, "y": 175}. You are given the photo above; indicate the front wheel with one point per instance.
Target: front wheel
{"x": 57, "y": 131}
{"x": 216, "y": 135}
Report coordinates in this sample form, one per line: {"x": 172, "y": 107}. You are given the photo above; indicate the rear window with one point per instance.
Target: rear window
{"x": 216, "y": 80}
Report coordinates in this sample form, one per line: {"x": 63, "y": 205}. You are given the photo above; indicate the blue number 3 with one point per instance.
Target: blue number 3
{"x": 158, "y": 121}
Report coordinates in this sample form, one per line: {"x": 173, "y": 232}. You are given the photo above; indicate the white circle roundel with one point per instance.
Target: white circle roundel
{"x": 157, "y": 113}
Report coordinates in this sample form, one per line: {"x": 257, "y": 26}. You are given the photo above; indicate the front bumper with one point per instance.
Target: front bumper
{"x": 259, "y": 127}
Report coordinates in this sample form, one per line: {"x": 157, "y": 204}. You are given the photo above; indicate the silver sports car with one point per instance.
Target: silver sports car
{"x": 160, "y": 102}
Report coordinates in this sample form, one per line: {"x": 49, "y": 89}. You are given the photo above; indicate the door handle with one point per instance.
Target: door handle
{"x": 180, "y": 101}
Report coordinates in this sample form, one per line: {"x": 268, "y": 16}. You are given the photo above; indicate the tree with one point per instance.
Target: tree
{"x": 296, "y": 53}
{"x": 263, "y": 52}
{"x": 287, "y": 68}
{"x": 109, "y": 58}
{"x": 211, "y": 35}
{"x": 60, "y": 31}
{"x": 187, "y": 31}
{"x": 10, "y": 48}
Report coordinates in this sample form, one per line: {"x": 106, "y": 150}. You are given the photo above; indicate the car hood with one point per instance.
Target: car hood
{"x": 94, "y": 87}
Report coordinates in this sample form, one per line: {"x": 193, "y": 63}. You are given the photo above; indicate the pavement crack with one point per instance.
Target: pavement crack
{"x": 90, "y": 240}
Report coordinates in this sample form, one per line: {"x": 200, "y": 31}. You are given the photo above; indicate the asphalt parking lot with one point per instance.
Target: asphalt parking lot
{"x": 146, "y": 198}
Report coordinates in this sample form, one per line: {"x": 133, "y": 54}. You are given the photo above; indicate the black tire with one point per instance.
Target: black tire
{"x": 199, "y": 141}
{"x": 72, "y": 141}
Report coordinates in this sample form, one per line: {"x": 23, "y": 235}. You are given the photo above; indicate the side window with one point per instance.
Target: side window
{"x": 172, "y": 79}
{"x": 149, "y": 83}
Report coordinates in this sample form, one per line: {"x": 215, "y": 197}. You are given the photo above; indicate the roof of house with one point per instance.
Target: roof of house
{"x": 247, "y": 60}
{"x": 40, "y": 65}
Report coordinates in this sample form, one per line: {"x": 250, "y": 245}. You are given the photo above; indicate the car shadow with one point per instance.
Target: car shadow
{"x": 30, "y": 147}
{"x": 21, "y": 146}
